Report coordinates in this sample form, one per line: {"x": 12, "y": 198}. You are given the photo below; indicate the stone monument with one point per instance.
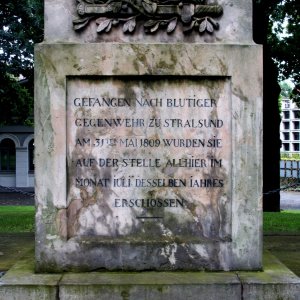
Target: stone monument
{"x": 148, "y": 137}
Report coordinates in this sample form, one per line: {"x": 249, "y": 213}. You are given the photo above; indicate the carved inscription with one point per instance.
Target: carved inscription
{"x": 149, "y": 150}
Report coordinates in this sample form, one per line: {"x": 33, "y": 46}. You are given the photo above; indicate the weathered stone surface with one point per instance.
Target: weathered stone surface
{"x": 275, "y": 282}
{"x": 20, "y": 282}
{"x": 81, "y": 228}
{"x": 235, "y": 26}
{"x": 149, "y": 159}
{"x": 151, "y": 285}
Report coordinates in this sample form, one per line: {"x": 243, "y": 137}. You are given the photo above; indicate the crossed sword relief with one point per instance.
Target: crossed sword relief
{"x": 193, "y": 14}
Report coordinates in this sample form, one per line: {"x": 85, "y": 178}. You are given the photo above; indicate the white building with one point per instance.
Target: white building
{"x": 290, "y": 127}
{"x": 16, "y": 156}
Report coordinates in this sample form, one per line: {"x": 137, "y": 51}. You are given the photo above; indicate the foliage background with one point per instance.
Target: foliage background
{"x": 21, "y": 26}
{"x": 284, "y": 41}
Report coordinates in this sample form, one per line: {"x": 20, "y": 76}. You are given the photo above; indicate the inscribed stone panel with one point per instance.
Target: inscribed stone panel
{"x": 149, "y": 159}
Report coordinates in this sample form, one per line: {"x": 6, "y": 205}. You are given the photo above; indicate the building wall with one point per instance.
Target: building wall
{"x": 22, "y": 176}
{"x": 290, "y": 127}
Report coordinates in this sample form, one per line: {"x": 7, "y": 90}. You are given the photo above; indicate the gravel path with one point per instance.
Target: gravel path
{"x": 290, "y": 200}
{"x": 13, "y": 198}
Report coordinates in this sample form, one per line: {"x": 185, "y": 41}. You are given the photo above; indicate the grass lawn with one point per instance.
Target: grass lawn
{"x": 287, "y": 221}
{"x": 21, "y": 219}
{"x": 16, "y": 219}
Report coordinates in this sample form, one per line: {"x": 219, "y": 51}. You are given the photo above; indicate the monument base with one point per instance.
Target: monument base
{"x": 275, "y": 282}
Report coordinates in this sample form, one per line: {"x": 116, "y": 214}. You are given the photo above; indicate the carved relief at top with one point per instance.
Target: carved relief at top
{"x": 153, "y": 14}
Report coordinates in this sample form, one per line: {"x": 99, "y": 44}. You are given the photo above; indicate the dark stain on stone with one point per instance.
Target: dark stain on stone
{"x": 77, "y": 67}
{"x": 125, "y": 294}
{"x": 240, "y": 94}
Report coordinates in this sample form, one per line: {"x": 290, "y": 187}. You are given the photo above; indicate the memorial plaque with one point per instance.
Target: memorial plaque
{"x": 149, "y": 158}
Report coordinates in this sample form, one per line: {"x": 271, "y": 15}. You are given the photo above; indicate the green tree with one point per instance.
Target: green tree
{"x": 284, "y": 41}
{"x": 285, "y": 92}
{"x": 21, "y": 26}
{"x": 295, "y": 94}
{"x": 284, "y": 37}
{"x": 286, "y": 89}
